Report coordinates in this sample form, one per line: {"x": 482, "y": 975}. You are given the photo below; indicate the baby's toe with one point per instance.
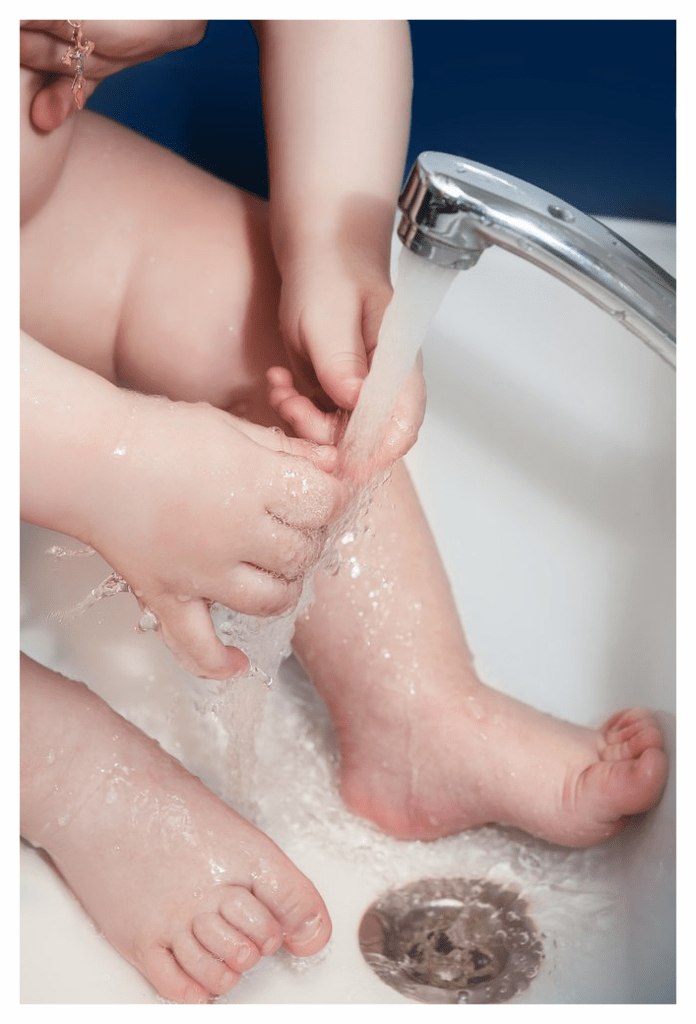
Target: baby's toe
{"x": 247, "y": 915}
{"x": 170, "y": 980}
{"x": 297, "y": 907}
{"x": 616, "y": 789}
{"x": 225, "y": 942}
{"x": 629, "y": 734}
{"x": 308, "y": 934}
{"x": 205, "y": 969}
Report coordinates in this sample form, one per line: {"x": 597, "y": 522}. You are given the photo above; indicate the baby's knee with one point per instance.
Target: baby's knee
{"x": 201, "y": 323}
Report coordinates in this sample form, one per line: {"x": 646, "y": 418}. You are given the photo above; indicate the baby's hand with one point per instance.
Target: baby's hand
{"x": 198, "y": 507}
{"x": 313, "y": 423}
{"x": 331, "y": 314}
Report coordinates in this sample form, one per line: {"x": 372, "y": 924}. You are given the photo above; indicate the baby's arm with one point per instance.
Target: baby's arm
{"x": 336, "y": 106}
{"x": 188, "y": 504}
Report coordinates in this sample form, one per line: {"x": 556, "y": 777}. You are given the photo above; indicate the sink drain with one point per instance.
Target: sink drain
{"x": 452, "y": 940}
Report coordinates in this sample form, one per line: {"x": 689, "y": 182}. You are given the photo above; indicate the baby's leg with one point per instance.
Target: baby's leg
{"x": 154, "y": 274}
{"x": 187, "y": 891}
{"x": 426, "y": 748}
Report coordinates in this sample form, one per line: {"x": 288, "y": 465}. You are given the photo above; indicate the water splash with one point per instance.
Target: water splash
{"x": 109, "y": 587}
{"x": 113, "y": 584}
{"x": 237, "y": 709}
{"x": 419, "y": 290}
{"x": 267, "y": 642}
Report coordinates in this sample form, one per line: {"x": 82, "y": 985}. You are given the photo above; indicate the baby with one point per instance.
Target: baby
{"x": 169, "y": 321}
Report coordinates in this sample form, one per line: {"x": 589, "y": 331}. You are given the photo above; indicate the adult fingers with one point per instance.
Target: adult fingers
{"x": 54, "y": 103}
{"x": 43, "y": 44}
{"x": 117, "y": 43}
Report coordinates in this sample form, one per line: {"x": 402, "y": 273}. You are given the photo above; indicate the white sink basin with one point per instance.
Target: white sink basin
{"x": 546, "y": 467}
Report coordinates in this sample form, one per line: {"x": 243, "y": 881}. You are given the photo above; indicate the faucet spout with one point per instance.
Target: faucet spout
{"x": 453, "y": 209}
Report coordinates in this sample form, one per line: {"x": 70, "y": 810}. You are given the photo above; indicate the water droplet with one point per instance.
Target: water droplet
{"x": 254, "y": 672}
{"x": 148, "y": 622}
{"x": 476, "y": 708}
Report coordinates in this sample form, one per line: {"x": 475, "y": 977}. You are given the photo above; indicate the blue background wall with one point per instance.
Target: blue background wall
{"x": 584, "y": 109}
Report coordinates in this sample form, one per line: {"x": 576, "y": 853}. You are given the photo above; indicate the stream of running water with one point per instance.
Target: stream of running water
{"x": 419, "y": 289}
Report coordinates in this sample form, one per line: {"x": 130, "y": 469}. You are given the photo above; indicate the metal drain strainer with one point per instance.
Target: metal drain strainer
{"x": 452, "y": 940}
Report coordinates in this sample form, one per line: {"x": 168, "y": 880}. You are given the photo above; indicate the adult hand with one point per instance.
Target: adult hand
{"x": 117, "y": 45}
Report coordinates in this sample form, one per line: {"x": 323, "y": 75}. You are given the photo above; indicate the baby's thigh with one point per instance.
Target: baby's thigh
{"x": 153, "y": 273}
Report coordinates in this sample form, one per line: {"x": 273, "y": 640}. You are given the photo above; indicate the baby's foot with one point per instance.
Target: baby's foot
{"x": 459, "y": 759}
{"x": 427, "y": 749}
{"x": 186, "y": 890}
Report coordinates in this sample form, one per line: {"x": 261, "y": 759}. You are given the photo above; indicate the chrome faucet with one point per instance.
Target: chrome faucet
{"x": 454, "y": 208}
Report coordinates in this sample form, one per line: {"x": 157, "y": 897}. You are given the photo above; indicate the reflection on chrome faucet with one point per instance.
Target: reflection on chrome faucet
{"x": 454, "y": 208}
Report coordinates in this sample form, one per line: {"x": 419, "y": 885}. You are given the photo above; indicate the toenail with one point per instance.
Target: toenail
{"x": 229, "y": 978}
{"x": 244, "y": 954}
{"x": 271, "y": 946}
{"x": 308, "y": 930}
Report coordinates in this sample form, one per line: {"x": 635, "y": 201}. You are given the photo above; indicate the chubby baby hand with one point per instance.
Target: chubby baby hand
{"x": 331, "y": 312}
{"x": 198, "y": 507}
{"x": 310, "y": 421}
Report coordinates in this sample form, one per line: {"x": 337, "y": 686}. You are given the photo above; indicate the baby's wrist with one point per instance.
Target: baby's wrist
{"x": 308, "y": 229}
{"x": 112, "y": 465}
{"x": 304, "y": 245}
{"x": 71, "y": 421}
